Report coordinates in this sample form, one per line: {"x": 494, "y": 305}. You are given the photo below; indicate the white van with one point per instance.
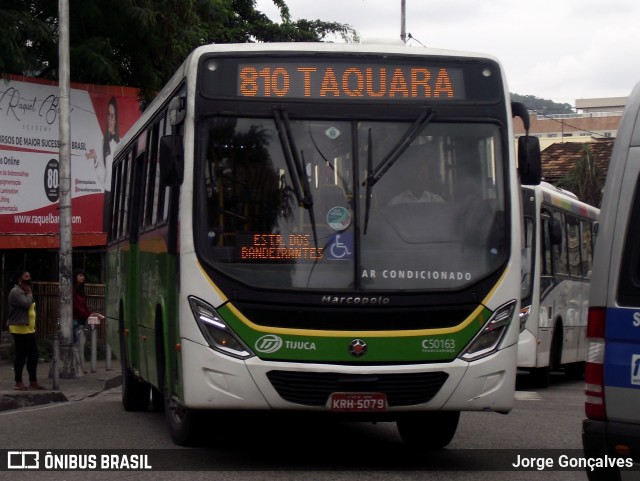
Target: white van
{"x": 611, "y": 432}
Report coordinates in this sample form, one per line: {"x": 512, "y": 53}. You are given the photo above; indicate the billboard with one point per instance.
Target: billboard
{"x": 29, "y": 158}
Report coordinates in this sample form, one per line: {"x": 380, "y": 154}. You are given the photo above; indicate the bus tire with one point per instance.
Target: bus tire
{"x": 555, "y": 356}
{"x": 183, "y": 423}
{"x": 430, "y": 430}
{"x": 135, "y": 393}
{"x": 575, "y": 371}
{"x": 540, "y": 377}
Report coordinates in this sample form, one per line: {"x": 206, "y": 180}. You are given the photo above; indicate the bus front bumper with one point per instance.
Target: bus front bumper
{"x": 216, "y": 381}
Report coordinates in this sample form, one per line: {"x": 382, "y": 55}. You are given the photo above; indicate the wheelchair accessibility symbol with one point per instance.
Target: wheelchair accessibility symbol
{"x": 340, "y": 247}
{"x": 635, "y": 370}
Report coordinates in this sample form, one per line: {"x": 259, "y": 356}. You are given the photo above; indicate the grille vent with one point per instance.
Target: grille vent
{"x": 314, "y": 388}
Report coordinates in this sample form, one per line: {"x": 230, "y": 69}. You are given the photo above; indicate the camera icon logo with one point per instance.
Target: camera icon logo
{"x": 23, "y": 460}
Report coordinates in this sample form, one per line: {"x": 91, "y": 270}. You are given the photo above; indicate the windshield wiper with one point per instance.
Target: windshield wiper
{"x": 296, "y": 166}
{"x": 405, "y": 141}
{"x": 369, "y": 185}
{"x": 375, "y": 174}
{"x": 296, "y": 169}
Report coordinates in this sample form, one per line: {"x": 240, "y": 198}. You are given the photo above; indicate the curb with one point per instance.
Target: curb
{"x": 113, "y": 382}
{"x": 21, "y": 399}
{"x": 25, "y": 399}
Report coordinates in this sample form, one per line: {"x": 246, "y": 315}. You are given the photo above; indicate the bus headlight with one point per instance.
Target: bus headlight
{"x": 219, "y": 336}
{"x": 489, "y": 338}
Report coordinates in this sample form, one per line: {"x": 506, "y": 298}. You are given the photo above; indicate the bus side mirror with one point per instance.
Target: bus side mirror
{"x": 171, "y": 160}
{"x": 529, "y": 157}
{"x": 529, "y": 160}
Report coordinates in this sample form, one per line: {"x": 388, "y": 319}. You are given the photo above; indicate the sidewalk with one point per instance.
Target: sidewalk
{"x": 86, "y": 386}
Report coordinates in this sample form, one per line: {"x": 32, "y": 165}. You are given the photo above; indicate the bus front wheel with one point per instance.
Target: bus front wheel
{"x": 430, "y": 430}
{"x": 183, "y": 423}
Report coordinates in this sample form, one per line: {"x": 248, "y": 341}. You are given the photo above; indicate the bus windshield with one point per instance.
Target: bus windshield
{"x": 287, "y": 209}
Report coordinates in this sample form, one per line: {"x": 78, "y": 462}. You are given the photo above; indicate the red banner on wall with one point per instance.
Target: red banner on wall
{"x": 29, "y": 156}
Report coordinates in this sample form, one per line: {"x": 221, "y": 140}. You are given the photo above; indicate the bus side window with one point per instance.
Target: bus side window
{"x": 573, "y": 245}
{"x": 527, "y": 258}
{"x": 629, "y": 283}
{"x": 116, "y": 190}
{"x": 559, "y": 244}
{"x": 127, "y": 172}
{"x": 586, "y": 246}
{"x": 153, "y": 179}
{"x": 143, "y": 187}
{"x": 545, "y": 258}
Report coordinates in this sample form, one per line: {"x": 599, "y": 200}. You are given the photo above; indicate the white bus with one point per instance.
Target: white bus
{"x": 263, "y": 253}
{"x": 613, "y": 366}
{"x": 556, "y": 274}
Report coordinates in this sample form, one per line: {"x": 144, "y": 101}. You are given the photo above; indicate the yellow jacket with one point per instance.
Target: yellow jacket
{"x": 29, "y": 328}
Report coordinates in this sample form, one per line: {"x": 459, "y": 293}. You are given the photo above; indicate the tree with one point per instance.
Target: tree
{"x": 542, "y": 106}
{"x": 139, "y": 43}
{"x": 583, "y": 179}
{"x": 25, "y": 32}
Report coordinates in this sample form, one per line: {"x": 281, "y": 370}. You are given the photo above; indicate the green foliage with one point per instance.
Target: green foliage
{"x": 91, "y": 262}
{"x": 29, "y": 29}
{"x": 139, "y": 43}
{"x": 546, "y": 107}
{"x": 584, "y": 179}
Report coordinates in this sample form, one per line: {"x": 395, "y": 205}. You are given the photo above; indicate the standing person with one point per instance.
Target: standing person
{"x": 22, "y": 326}
{"x": 103, "y": 167}
{"x": 81, "y": 313}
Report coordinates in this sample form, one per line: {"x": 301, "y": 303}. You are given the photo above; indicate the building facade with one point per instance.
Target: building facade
{"x": 595, "y": 119}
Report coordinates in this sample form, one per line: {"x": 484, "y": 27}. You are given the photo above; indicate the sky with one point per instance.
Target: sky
{"x": 561, "y": 50}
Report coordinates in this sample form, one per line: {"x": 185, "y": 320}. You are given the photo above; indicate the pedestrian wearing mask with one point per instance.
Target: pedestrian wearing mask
{"x": 22, "y": 326}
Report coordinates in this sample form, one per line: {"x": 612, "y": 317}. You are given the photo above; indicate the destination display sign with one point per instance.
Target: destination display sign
{"x": 343, "y": 80}
{"x": 278, "y": 248}
{"x": 350, "y": 78}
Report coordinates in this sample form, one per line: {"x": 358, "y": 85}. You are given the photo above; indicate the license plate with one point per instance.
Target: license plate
{"x": 358, "y": 401}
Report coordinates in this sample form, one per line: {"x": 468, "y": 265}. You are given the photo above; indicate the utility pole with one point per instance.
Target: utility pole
{"x": 403, "y": 21}
{"x": 68, "y": 366}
